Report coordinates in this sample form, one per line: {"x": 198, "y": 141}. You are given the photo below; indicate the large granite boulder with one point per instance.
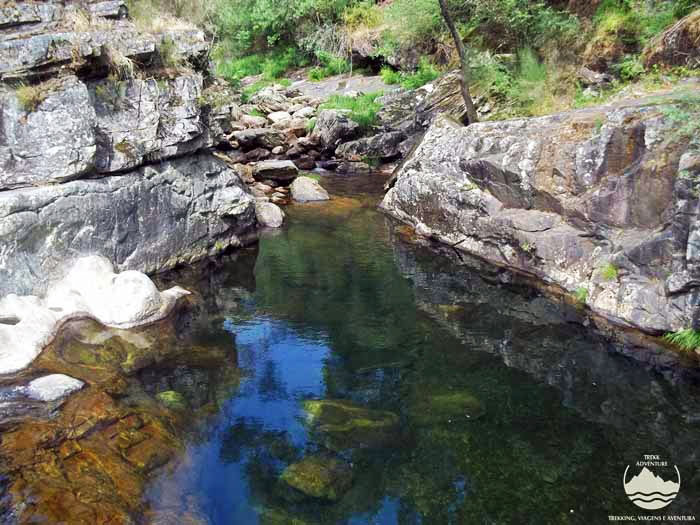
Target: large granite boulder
{"x": 380, "y": 146}
{"x": 147, "y": 220}
{"x": 277, "y": 170}
{"x": 306, "y": 189}
{"x": 608, "y": 211}
{"x": 333, "y": 127}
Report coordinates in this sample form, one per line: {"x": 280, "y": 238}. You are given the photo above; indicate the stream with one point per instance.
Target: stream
{"x": 359, "y": 377}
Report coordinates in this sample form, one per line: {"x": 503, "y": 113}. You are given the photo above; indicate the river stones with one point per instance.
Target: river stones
{"x": 306, "y": 189}
{"x": 319, "y": 476}
{"x": 52, "y": 387}
{"x": 269, "y": 215}
{"x": 277, "y": 170}
{"x": 344, "y": 425}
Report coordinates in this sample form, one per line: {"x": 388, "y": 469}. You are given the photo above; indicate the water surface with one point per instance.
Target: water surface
{"x": 508, "y": 409}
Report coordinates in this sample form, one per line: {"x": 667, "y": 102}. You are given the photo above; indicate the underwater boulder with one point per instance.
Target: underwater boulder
{"x": 344, "y": 425}
{"x": 319, "y": 476}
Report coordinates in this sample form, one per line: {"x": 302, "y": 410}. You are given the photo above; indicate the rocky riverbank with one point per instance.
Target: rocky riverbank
{"x": 600, "y": 203}
{"x": 105, "y": 146}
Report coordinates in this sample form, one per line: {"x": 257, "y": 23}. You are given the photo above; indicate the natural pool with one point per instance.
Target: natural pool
{"x": 339, "y": 374}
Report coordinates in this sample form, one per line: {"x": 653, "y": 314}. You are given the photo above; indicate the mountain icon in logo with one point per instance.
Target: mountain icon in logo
{"x": 649, "y": 491}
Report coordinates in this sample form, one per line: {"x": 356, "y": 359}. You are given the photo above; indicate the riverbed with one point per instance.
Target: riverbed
{"x": 344, "y": 372}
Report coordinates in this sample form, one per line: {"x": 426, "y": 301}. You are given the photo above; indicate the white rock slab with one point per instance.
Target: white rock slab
{"x": 52, "y": 387}
{"x": 90, "y": 290}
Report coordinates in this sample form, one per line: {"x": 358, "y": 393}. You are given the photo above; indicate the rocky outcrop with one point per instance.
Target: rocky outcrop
{"x": 148, "y": 220}
{"x": 608, "y": 211}
{"x": 96, "y": 159}
{"x": 382, "y": 146}
{"x": 333, "y": 127}
{"x": 679, "y": 45}
{"x": 41, "y": 38}
{"x": 90, "y": 289}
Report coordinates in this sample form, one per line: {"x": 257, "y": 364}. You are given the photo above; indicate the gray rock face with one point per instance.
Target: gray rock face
{"x": 277, "y": 170}
{"x": 332, "y": 128}
{"x": 380, "y": 146}
{"x": 107, "y": 126}
{"x": 43, "y": 37}
{"x": 54, "y": 143}
{"x": 148, "y": 220}
{"x": 583, "y": 206}
{"x": 306, "y": 189}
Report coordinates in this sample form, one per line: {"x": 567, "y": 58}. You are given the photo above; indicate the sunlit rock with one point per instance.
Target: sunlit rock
{"x": 91, "y": 289}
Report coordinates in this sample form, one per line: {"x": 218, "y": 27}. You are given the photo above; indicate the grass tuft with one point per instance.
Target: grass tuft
{"x": 609, "y": 272}
{"x": 687, "y": 340}
{"x": 31, "y": 97}
{"x": 581, "y": 295}
{"x": 363, "y": 108}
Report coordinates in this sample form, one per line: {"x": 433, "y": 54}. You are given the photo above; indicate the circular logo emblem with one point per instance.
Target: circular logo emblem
{"x": 652, "y": 488}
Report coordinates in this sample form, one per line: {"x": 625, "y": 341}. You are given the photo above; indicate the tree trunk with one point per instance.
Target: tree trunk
{"x": 466, "y": 73}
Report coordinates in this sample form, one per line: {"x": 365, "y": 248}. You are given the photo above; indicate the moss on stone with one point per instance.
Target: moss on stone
{"x": 319, "y": 477}
{"x": 172, "y": 399}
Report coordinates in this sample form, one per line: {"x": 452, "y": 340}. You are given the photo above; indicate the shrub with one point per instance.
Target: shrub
{"x": 390, "y": 76}
{"x": 363, "y": 15}
{"x": 687, "y": 339}
{"x": 426, "y": 73}
{"x": 363, "y": 108}
{"x": 684, "y": 7}
{"x": 630, "y": 68}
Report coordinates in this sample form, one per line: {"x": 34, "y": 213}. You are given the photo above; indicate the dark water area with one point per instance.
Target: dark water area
{"x": 342, "y": 372}
{"x": 404, "y": 388}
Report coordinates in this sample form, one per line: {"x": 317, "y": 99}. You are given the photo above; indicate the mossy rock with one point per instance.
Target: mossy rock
{"x": 172, "y": 400}
{"x": 319, "y": 477}
{"x": 345, "y": 425}
{"x": 446, "y": 407}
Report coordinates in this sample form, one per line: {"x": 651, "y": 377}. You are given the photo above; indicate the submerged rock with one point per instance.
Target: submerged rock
{"x": 344, "y": 425}
{"x": 306, "y": 189}
{"x": 446, "y": 407}
{"x": 52, "y": 387}
{"x": 319, "y": 477}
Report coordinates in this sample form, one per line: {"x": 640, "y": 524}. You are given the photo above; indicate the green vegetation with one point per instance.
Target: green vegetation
{"x": 425, "y": 73}
{"x": 687, "y": 340}
{"x": 609, "y": 272}
{"x": 581, "y": 295}
{"x": 362, "y": 108}
{"x": 30, "y": 97}
{"x": 330, "y": 65}
{"x": 170, "y": 57}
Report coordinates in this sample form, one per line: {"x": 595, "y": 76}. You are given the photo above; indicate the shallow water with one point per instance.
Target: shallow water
{"x": 434, "y": 393}
{"x": 509, "y": 411}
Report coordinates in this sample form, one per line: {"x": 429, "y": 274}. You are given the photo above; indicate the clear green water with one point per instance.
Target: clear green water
{"x": 506, "y": 409}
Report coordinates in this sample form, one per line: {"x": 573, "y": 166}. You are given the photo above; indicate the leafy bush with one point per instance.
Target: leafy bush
{"x": 390, "y": 76}
{"x": 685, "y": 339}
{"x": 363, "y": 108}
{"x": 330, "y": 65}
{"x": 630, "y": 68}
{"x": 581, "y": 295}
{"x": 363, "y": 15}
{"x": 684, "y": 7}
